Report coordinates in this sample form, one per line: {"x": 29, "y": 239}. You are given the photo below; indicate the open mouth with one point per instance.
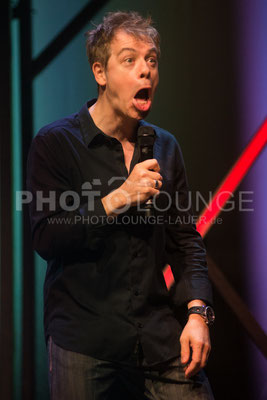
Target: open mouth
{"x": 142, "y": 94}
{"x": 142, "y": 99}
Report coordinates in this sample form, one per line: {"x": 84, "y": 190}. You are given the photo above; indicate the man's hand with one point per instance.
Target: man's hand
{"x": 138, "y": 187}
{"x": 195, "y": 345}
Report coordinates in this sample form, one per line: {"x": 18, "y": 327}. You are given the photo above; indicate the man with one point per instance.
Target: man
{"x": 112, "y": 328}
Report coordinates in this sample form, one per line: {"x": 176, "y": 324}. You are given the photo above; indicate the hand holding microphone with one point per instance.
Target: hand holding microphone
{"x": 144, "y": 181}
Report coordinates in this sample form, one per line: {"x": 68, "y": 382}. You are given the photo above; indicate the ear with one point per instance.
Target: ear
{"x": 99, "y": 73}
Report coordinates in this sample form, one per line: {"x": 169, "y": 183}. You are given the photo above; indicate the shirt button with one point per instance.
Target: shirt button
{"x": 140, "y": 325}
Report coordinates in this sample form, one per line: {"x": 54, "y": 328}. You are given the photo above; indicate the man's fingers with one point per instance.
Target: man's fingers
{"x": 153, "y": 183}
{"x": 205, "y": 355}
{"x": 199, "y": 359}
{"x": 154, "y": 175}
{"x": 195, "y": 364}
{"x": 144, "y": 182}
{"x": 151, "y": 164}
{"x": 146, "y": 169}
{"x": 192, "y": 369}
{"x": 185, "y": 351}
{"x": 197, "y": 334}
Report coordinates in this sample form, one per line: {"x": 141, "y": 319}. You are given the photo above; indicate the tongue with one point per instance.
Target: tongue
{"x": 142, "y": 104}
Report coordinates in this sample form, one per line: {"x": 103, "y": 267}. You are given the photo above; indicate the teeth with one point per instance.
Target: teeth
{"x": 142, "y": 101}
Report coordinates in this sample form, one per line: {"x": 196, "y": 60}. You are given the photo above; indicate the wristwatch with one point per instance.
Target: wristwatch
{"x": 206, "y": 312}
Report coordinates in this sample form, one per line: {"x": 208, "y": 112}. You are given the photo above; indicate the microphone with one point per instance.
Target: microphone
{"x": 145, "y": 140}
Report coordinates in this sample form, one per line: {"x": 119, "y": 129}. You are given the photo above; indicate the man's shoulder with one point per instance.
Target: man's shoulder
{"x": 59, "y": 128}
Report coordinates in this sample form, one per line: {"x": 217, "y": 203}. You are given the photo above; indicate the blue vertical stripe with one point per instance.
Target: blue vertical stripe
{"x": 251, "y": 17}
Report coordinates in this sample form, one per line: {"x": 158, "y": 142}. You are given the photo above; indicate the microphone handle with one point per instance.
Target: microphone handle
{"x": 146, "y": 153}
{"x": 146, "y": 139}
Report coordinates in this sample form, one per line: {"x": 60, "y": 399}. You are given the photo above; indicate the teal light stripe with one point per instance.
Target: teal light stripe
{"x": 41, "y": 387}
{"x": 16, "y": 215}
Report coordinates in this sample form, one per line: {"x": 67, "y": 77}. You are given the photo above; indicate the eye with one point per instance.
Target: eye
{"x": 129, "y": 60}
{"x": 152, "y": 61}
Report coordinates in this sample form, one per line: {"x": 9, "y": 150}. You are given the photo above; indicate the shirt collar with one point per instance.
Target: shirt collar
{"x": 88, "y": 127}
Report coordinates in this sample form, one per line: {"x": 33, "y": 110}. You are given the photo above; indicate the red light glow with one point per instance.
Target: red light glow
{"x": 226, "y": 188}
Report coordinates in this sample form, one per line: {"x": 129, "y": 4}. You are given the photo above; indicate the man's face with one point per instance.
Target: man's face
{"x": 131, "y": 75}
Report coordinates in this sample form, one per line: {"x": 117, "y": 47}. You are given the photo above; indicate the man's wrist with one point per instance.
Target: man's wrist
{"x": 114, "y": 202}
{"x": 205, "y": 312}
{"x": 195, "y": 303}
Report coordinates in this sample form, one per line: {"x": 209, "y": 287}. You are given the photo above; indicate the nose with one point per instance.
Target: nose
{"x": 144, "y": 71}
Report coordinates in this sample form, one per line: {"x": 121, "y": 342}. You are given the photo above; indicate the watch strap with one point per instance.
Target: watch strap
{"x": 206, "y": 313}
{"x": 196, "y": 310}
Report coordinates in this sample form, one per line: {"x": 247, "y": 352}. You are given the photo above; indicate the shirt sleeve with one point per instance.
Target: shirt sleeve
{"x": 185, "y": 249}
{"x": 59, "y": 230}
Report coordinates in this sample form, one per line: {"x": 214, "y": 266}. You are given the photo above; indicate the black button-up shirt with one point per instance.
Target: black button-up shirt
{"x": 104, "y": 289}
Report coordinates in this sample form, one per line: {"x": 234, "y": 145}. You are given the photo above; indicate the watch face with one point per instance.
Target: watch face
{"x": 210, "y": 315}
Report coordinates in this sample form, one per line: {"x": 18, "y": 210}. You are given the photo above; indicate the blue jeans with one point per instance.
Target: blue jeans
{"x": 74, "y": 376}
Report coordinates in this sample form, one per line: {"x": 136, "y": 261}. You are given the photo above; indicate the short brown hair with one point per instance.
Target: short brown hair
{"x": 98, "y": 40}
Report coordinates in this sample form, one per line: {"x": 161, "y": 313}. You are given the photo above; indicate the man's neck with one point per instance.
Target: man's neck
{"x": 112, "y": 124}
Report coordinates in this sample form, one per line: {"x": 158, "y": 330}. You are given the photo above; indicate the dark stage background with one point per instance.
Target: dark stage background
{"x": 212, "y": 96}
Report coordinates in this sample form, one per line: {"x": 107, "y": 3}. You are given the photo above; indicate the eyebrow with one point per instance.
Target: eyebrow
{"x": 151, "y": 50}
